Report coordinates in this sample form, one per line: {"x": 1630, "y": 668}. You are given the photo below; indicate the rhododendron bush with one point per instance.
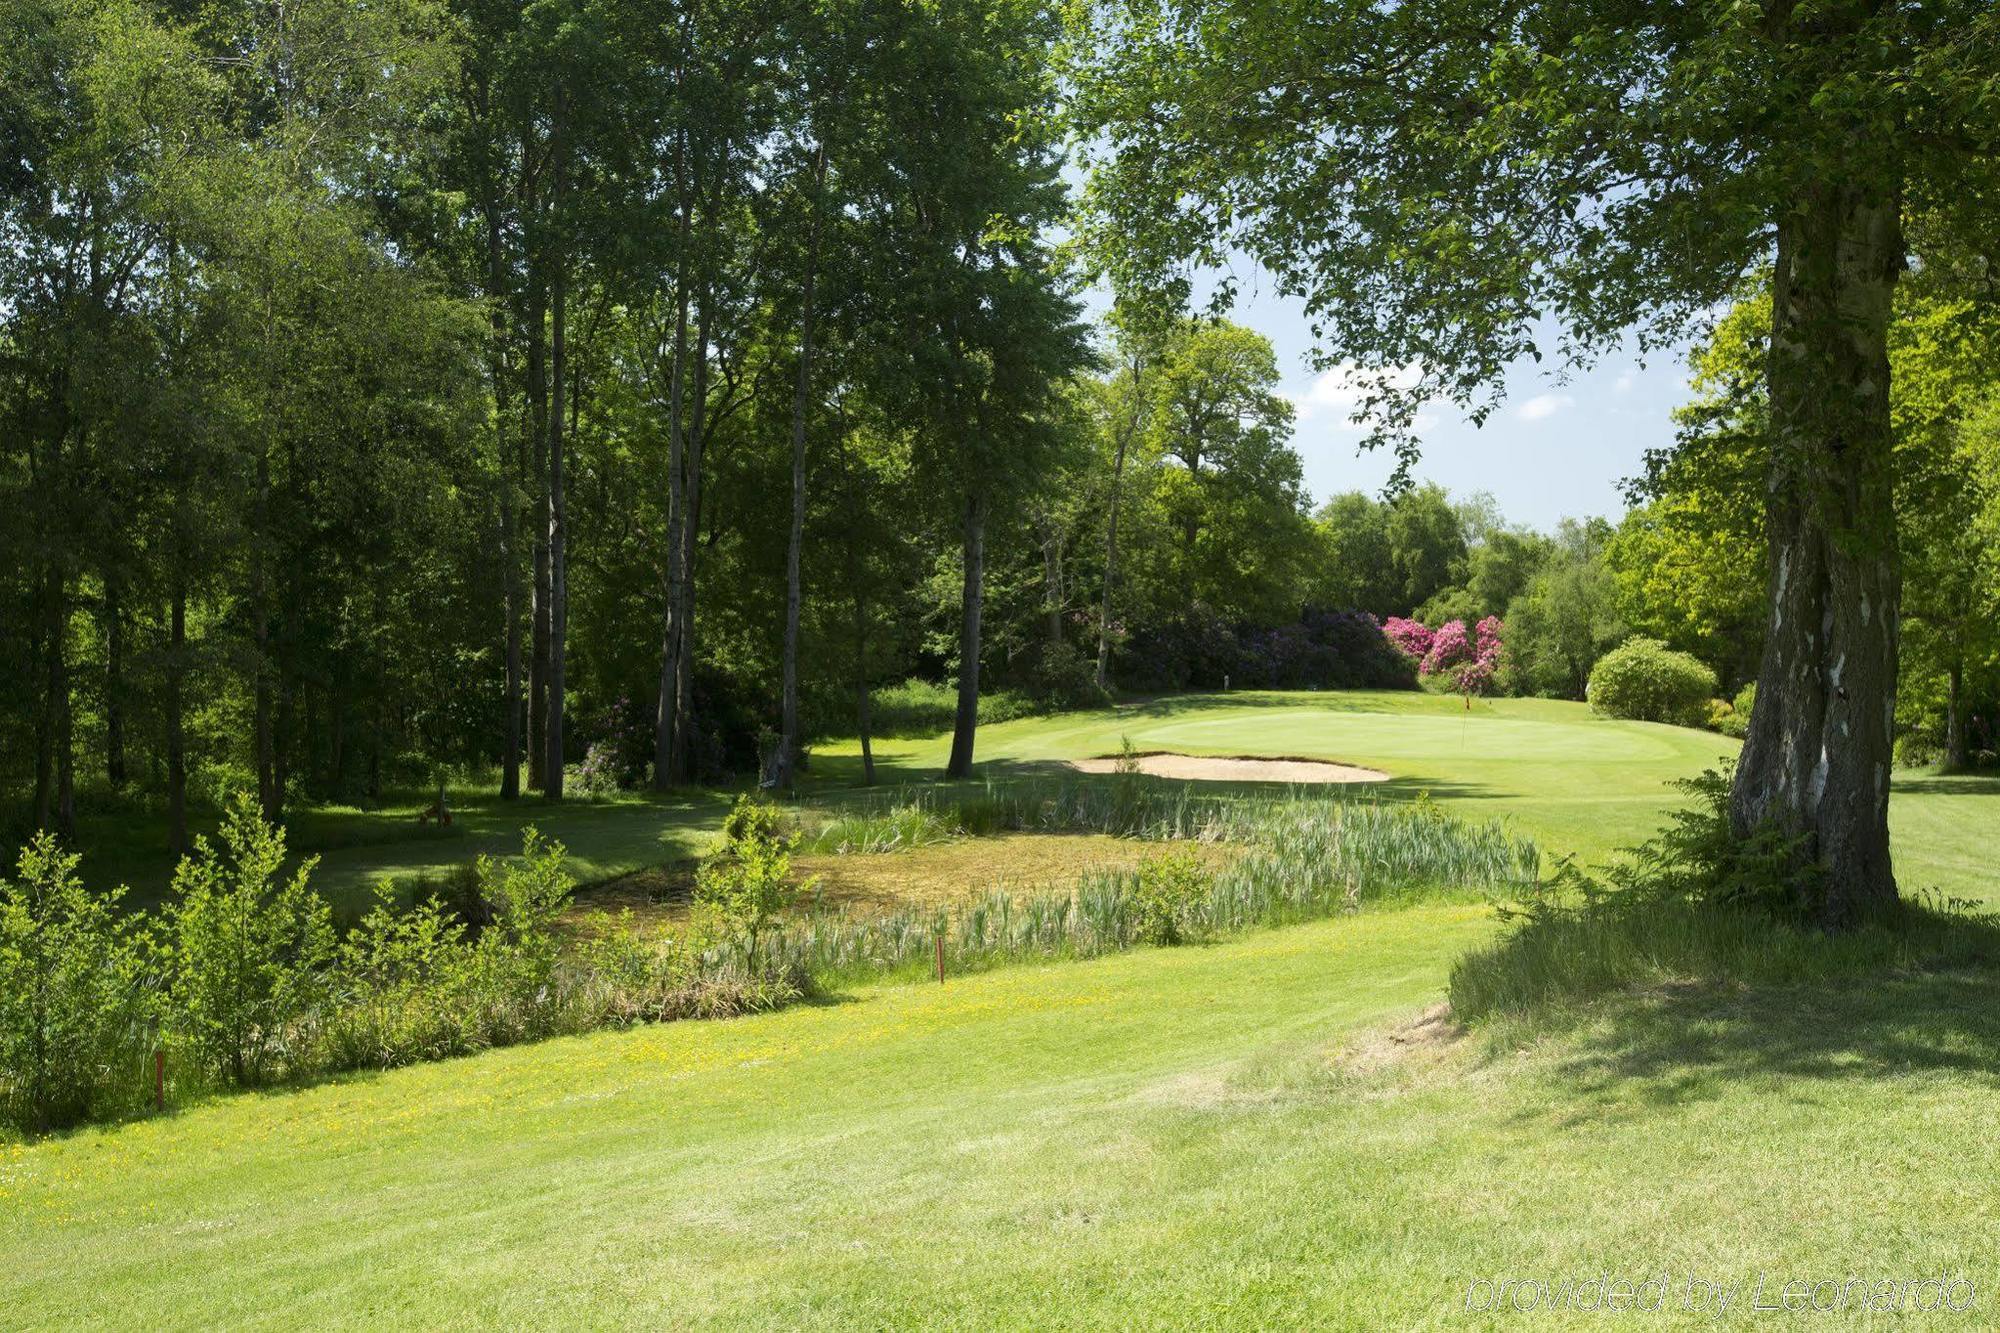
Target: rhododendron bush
{"x": 1451, "y": 656}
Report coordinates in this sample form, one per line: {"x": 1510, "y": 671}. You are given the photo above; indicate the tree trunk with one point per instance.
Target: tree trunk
{"x": 696, "y": 411}
{"x": 1052, "y": 588}
{"x": 552, "y": 764}
{"x": 260, "y": 632}
{"x": 1816, "y": 762}
{"x": 1954, "y": 715}
{"x": 667, "y": 767}
{"x": 786, "y": 761}
{"x": 861, "y": 700}
{"x": 967, "y": 721}
{"x": 114, "y": 683}
{"x": 1111, "y": 552}
{"x": 177, "y": 835}
{"x": 538, "y": 433}
{"x": 496, "y": 294}
{"x": 55, "y": 780}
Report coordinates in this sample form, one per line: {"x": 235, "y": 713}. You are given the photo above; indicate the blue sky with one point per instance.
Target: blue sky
{"x": 1551, "y": 451}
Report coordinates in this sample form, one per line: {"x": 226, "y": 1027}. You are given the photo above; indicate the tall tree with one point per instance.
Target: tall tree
{"x": 1434, "y": 178}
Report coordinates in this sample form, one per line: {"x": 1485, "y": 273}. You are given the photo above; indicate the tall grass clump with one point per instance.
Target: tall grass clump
{"x": 1123, "y": 806}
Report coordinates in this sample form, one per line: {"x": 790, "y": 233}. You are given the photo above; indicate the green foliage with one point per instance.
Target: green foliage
{"x": 73, "y": 994}
{"x": 920, "y": 708}
{"x": 247, "y": 977}
{"x": 1644, "y": 680}
{"x": 1168, "y": 897}
{"x": 745, "y": 884}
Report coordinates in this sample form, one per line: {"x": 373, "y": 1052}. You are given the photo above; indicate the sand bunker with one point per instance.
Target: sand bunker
{"x": 1206, "y": 768}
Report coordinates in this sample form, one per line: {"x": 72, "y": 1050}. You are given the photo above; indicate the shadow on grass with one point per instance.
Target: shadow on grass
{"x": 1927, "y": 1004}
{"x": 1955, "y": 784}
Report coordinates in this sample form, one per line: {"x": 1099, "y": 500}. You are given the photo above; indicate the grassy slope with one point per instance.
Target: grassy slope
{"x": 1162, "y": 1137}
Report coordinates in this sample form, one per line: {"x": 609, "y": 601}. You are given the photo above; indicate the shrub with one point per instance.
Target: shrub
{"x": 1411, "y": 638}
{"x": 72, "y": 992}
{"x": 745, "y": 885}
{"x": 926, "y": 708}
{"x": 1062, "y": 678}
{"x": 250, "y": 955}
{"x": 1322, "y": 650}
{"x": 1694, "y": 896}
{"x": 599, "y": 773}
{"x": 1647, "y": 681}
{"x": 1168, "y": 899}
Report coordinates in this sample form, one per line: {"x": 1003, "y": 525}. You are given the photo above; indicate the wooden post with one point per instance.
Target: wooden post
{"x": 159, "y": 1073}
{"x": 939, "y": 939}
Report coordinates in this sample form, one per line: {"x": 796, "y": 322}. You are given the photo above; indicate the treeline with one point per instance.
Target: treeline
{"x": 523, "y": 386}
{"x": 418, "y": 384}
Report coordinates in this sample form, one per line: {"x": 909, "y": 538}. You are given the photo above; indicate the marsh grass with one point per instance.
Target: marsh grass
{"x": 1293, "y": 858}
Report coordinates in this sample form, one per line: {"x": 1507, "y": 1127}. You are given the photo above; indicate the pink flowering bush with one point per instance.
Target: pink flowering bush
{"x": 1450, "y": 645}
{"x": 1468, "y": 661}
{"x": 1411, "y": 638}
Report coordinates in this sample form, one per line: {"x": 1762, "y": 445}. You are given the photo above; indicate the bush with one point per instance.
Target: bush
{"x": 1063, "y": 678}
{"x": 745, "y": 885}
{"x": 1644, "y": 680}
{"x": 927, "y": 708}
{"x": 1695, "y": 900}
{"x": 1168, "y": 899}
{"x": 73, "y": 1001}
{"x": 1733, "y": 718}
{"x": 248, "y": 974}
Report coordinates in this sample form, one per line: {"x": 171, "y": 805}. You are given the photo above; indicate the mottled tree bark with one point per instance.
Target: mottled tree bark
{"x": 1816, "y": 762}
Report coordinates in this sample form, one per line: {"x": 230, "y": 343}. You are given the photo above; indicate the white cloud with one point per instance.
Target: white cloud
{"x": 1335, "y": 394}
{"x": 1544, "y": 405}
{"x": 1624, "y": 383}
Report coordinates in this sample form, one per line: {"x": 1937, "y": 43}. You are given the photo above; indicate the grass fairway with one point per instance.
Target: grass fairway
{"x": 1200, "y": 1136}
